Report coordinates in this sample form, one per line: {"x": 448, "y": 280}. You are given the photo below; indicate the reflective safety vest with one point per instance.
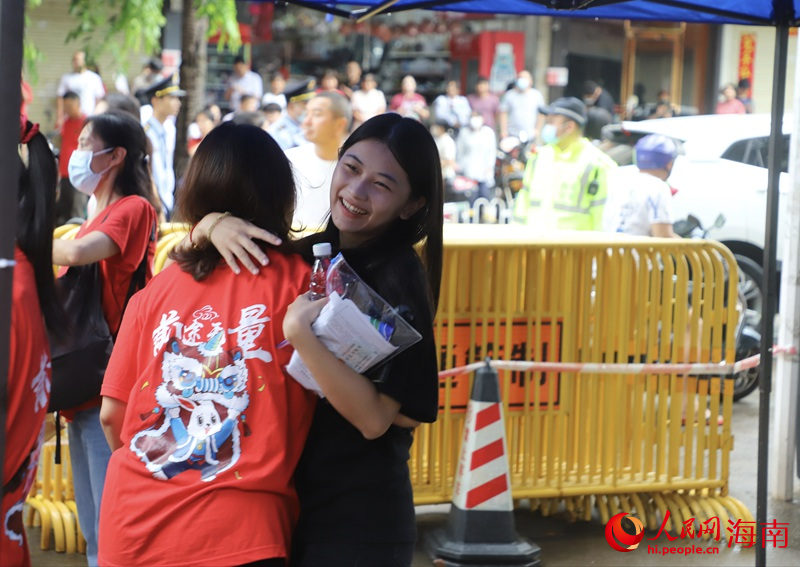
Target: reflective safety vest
{"x": 564, "y": 189}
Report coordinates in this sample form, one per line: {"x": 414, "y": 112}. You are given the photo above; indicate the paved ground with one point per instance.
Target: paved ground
{"x": 583, "y": 543}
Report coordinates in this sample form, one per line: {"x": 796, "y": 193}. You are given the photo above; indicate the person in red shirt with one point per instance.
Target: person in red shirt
{"x": 27, "y": 96}
{"x": 408, "y": 102}
{"x": 71, "y": 203}
{"x": 728, "y": 103}
{"x": 206, "y": 425}
{"x": 109, "y": 163}
{"x": 35, "y": 312}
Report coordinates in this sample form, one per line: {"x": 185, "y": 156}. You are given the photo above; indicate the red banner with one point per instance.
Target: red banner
{"x": 747, "y": 56}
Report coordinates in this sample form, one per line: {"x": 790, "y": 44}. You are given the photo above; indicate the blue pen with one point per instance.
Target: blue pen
{"x": 283, "y": 343}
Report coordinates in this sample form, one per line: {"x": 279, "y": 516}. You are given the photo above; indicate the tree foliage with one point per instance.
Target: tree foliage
{"x": 124, "y": 26}
{"x": 31, "y": 56}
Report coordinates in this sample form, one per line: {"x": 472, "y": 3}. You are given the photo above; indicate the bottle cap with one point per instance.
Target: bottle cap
{"x": 322, "y": 249}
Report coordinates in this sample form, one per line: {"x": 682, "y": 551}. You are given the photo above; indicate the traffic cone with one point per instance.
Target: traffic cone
{"x": 480, "y": 527}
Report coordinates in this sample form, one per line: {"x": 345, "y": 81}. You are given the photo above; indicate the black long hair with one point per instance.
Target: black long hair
{"x": 36, "y": 220}
{"x": 118, "y": 129}
{"x": 241, "y": 169}
{"x": 415, "y": 151}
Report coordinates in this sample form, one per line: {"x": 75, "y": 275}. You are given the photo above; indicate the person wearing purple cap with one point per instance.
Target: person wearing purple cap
{"x": 565, "y": 183}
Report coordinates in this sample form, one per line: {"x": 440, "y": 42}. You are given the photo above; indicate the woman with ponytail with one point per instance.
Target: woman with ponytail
{"x": 35, "y": 312}
{"x": 120, "y": 236}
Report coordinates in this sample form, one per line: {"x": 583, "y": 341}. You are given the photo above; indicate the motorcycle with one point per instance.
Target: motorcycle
{"x": 748, "y": 337}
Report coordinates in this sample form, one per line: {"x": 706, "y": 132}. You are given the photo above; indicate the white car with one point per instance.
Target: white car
{"x": 721, "y": 168}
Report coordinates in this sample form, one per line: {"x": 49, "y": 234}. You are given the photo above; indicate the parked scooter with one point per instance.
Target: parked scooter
{"x": 748, "y": 337}
{"x": 512, "y": 155}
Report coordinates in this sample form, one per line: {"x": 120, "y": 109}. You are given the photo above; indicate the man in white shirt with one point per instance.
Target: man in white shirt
{"x": 160, "y": 128}
{"x": 447, "y": 151}
{"x": 476, "y": 150}
{"x": 368, "y": 101}
{"x": 243, "y": 81}
{"x": 277, "y": 85}
{"x": 85, "y": 83}
{"x": 519, "y": 109}
{"x": 326, "y": 124}
{"x": 640, "y": 200}
{"x": 452, "y": 107}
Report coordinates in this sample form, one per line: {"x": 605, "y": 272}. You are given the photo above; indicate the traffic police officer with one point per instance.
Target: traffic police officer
{"x": 287, "y": 130}
{"x": 566, "y": 181}
{"x": 160, "y": 129}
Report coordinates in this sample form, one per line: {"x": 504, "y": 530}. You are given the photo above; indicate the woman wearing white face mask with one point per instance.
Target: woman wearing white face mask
{"x": 120, "y": 235}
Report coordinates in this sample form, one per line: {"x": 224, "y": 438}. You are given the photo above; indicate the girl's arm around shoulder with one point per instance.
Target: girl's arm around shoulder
{"x": 352, "y": 394}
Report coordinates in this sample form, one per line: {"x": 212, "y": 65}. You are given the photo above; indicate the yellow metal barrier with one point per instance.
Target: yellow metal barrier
{"x": 614, "y": 441}
{"x": 51, "y": 502}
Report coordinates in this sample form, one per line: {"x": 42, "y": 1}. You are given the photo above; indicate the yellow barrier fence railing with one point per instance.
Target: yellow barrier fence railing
{"x": 614, "y": 441}
{"x": 650, "y": 443}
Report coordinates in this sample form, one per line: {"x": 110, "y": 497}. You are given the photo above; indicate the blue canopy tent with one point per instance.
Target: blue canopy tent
{"x": 781, "y": 14}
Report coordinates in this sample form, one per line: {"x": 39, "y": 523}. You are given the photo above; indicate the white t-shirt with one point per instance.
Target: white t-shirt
{"x": 312, "y": 175}
{"x": 369, "y": 103}
{"x": 250, "y": 83}
{"x": 523, "y": 110}
{"x": 477, "y": 152}
{"x": 87, "y": 85}
{"x": 447, "y": 152}
{"x": 635, "y": 202}
{"x": 279, "y": 99}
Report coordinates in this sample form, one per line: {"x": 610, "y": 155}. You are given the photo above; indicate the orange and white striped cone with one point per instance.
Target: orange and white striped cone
{"x": 480, "y": 527}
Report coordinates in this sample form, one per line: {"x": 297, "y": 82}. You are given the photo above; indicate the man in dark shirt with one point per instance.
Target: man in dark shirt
{"x": 595, "y": 95}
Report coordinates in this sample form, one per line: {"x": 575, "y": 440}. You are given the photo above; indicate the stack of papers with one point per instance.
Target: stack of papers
{"x": 349, "y": 334}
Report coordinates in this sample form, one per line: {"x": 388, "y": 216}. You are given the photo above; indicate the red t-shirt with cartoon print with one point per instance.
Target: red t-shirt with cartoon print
{"x": 214, "y": 426}
{"x": 28, "y": 395}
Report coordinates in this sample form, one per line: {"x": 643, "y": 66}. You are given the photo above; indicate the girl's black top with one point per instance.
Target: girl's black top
{"x": 354, "y": 490}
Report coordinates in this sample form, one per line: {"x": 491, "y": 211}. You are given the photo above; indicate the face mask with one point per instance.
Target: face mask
{"x": 476, "y": 122}
{"x": 550, "y": 133}
{"x": 80, "y": 170}
{"x": 523, "y": 84}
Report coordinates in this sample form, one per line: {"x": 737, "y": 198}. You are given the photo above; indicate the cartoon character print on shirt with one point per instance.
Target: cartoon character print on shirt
{"x": 202, "y": 396}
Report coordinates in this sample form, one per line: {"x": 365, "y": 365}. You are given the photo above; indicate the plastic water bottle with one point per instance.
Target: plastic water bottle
{"x": 319, "y": 273}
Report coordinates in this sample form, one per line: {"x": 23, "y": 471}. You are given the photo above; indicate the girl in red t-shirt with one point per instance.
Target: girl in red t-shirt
{"x": 356, "y": 502}
{"x": 205, "y": 424}
{"x": 35, "y": 308}
{"x": 111, "y": 164}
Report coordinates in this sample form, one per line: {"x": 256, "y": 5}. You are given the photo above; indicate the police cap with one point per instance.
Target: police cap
{"x": 164, "y": 87}
{"x": 300, "y": 90}
{"x": 571, "y": 107}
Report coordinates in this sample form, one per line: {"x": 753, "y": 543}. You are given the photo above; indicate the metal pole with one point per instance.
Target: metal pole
{"x": 787, "y": 367}
{"x": 12, "y": 16}
{"x": 770, "y": 281}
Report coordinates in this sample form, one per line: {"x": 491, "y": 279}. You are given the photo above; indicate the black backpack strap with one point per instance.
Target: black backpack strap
{"x": 138, "y": 277}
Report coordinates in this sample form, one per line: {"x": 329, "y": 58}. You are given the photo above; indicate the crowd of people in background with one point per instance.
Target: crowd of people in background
{"x": 467, "y": 127}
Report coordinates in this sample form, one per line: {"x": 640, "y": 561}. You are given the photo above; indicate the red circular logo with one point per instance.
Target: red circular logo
{"x": 615, "y": 533}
